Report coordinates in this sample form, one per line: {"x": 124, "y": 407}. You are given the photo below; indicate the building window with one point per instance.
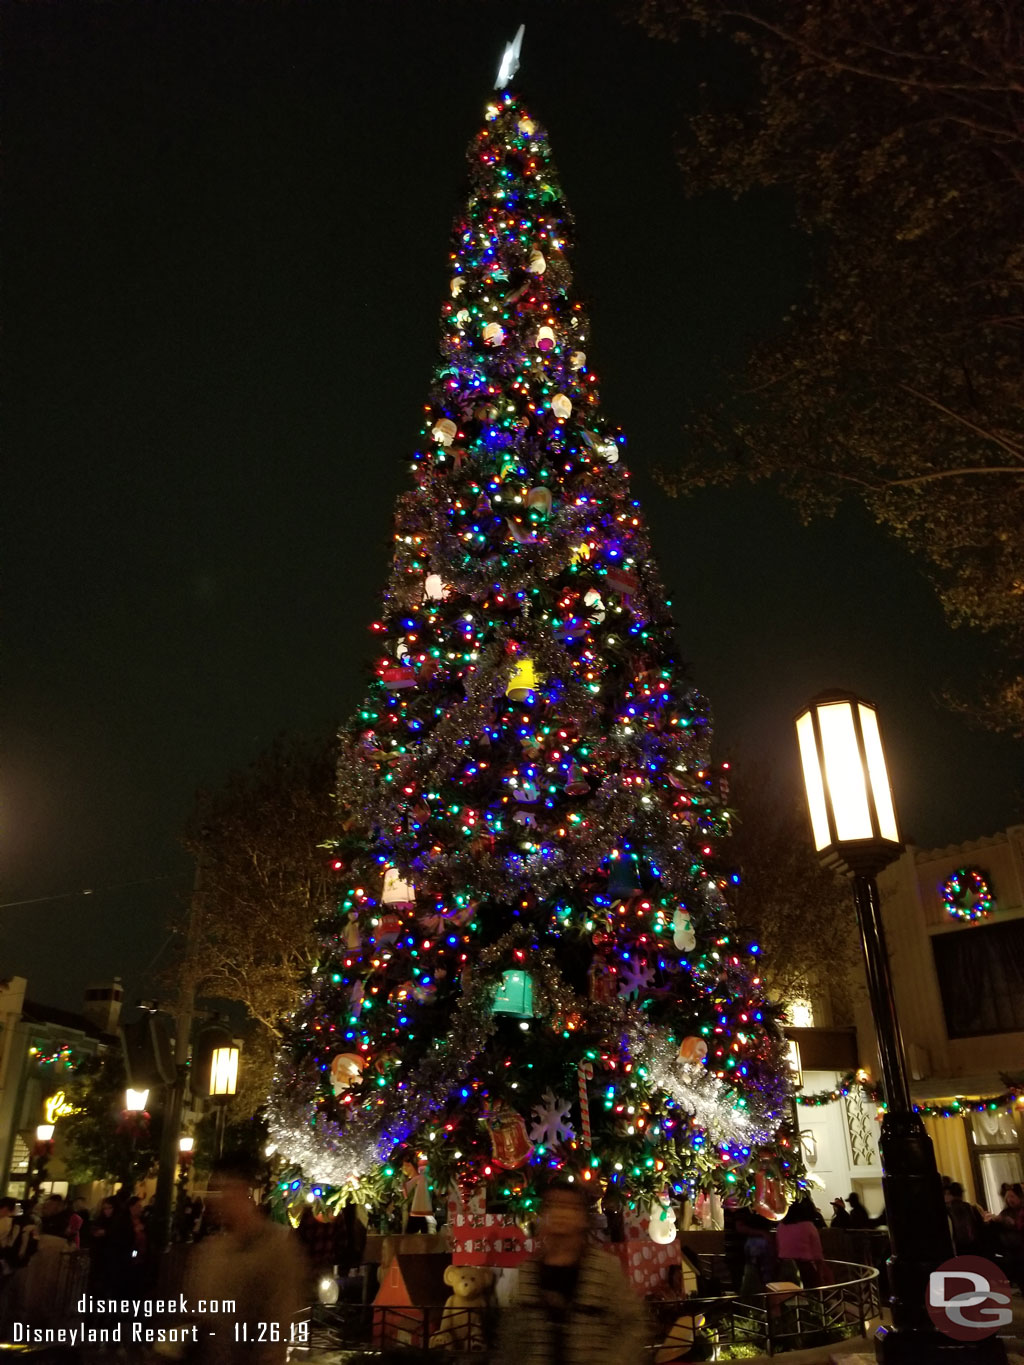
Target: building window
{"x": 981, "y": 977}
{"x": 995, "y": 1148}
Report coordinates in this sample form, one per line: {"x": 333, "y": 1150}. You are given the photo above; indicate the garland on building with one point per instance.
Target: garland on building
{"x": 857, "y": 1080}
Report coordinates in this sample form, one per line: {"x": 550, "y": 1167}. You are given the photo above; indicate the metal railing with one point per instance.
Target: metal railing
{"x": 764, "y": 1324}
{"x": 769, "y": 1323}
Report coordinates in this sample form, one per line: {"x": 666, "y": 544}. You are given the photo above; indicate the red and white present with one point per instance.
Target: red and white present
{"x": 487, "y": 1238}
{"x": 622, "y": 581}
{"x": 645, "y": 1263}
{"x": 395, "y": 678}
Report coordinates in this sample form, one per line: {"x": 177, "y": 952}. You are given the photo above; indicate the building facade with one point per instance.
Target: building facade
{"x": 954, "y": 923}
{"x": 39, "y": 1046}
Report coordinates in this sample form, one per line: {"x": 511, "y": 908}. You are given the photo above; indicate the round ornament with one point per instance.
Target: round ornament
{"x": 561, "y": 406}
{"x": 526, "y": 127}
{"x": 967, "y": 895}
{"x": 346, "y": 1072}
{"x": 693, "y": 1051}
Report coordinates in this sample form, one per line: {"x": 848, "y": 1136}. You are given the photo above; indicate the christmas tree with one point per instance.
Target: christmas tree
{"x": 531, "y": 968}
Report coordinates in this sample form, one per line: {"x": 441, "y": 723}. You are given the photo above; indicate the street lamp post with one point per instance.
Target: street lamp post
{"x": 853, "y": 823}
{"x": 42, "y": 1153}
{"x": 223, "y": 1082}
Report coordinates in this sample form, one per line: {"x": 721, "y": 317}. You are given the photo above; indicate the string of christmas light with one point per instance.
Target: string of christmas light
{"x": 529, "y": 882}
{"x": 63, "y": 1056}
{"x": 1006, "y": 1099}
{"x": 967, "y": 895}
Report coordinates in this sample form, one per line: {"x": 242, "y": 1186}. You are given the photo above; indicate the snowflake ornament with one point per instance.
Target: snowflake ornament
{"x": 551, "y": 1120}
{"x": 635, "y": 977}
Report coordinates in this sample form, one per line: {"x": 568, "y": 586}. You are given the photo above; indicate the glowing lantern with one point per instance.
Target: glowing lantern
{"x": 524, "y": 680}
{"x": 224, "y": 1070}
{"x": 853, "y": 819}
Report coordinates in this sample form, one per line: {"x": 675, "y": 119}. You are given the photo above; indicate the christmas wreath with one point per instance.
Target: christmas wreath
{"x": 967, "y": 895}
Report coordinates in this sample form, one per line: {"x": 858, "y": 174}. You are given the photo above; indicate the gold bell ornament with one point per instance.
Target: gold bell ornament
{"x": 524, "y": 680}
{"x": 577, "y": 785}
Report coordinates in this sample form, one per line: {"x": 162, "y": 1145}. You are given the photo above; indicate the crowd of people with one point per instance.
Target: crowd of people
{"x": 572, "y": 1302}
{"x": 36, "y": 1235}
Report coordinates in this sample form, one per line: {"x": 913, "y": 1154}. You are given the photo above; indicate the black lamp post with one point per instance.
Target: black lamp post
{"x": 853, "y": 822}
{"x": 41, "y": 1152}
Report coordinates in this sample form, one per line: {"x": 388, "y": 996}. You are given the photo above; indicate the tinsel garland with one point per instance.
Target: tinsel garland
{"x": 710, "y": 1101}
{"x": 338, "y": 1154}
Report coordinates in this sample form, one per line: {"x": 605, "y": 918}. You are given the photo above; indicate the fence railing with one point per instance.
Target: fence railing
{"x": 786, "y": 1319}
{"x": 783, "y": 1319}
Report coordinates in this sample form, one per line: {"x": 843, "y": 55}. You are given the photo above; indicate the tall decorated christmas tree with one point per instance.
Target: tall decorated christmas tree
{"x": 531, "y": 967}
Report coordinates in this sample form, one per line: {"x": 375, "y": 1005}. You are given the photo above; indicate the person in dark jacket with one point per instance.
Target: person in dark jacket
{"x": 966, "y": 1222}
{"x": 859, "y": 1216}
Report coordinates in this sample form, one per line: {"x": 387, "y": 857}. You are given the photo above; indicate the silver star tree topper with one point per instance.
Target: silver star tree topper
{"x": 510, "y": 60}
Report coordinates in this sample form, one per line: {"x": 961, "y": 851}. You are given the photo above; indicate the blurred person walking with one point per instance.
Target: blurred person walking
{"x": 572, "y": 1304}
{"x": 253, "y": 1264}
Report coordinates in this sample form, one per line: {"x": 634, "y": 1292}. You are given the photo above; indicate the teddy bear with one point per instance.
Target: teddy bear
{"x": 462, "y": 1322}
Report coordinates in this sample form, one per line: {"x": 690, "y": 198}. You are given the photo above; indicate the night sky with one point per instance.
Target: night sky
{"x": 226, "y": 248}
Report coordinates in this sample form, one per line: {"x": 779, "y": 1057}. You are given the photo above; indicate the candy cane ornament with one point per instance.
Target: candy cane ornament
{"x": 585, "y": 1071}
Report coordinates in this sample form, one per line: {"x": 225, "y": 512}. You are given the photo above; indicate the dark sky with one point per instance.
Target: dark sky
{"x": 226, "y": 243}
